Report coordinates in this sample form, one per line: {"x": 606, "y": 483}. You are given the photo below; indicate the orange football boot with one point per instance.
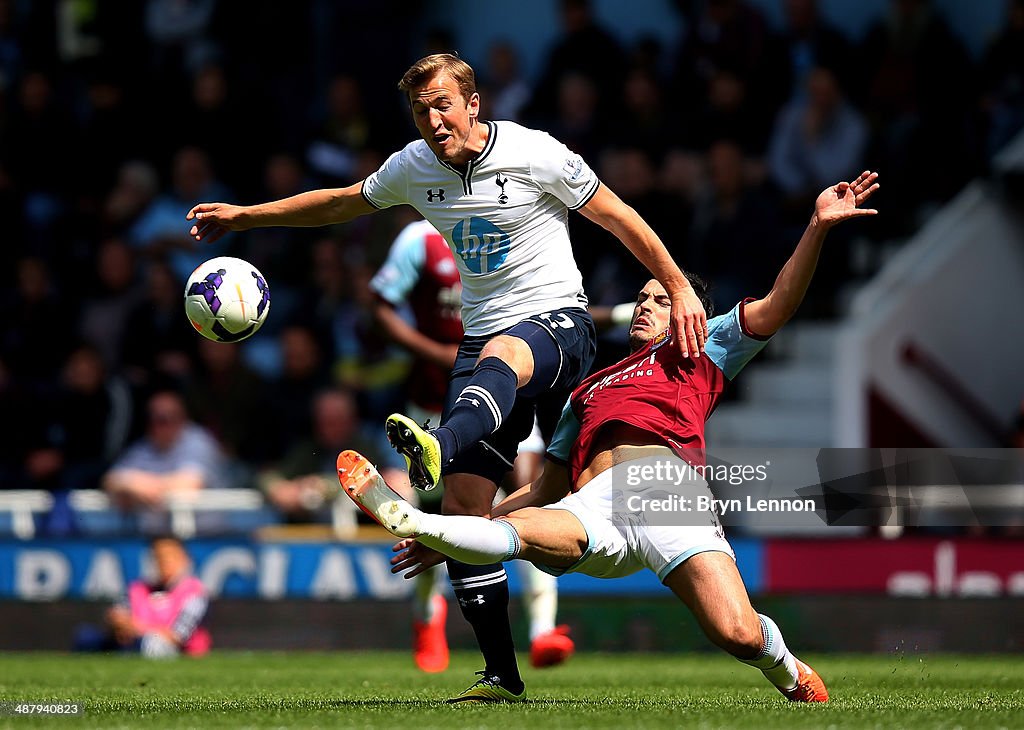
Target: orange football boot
{"x": 809, "y": 686}
{"x": 552, "y": 647}
{"x": 429, "y": 643}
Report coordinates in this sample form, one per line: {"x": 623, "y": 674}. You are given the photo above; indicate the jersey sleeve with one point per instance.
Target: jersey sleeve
{"x": 188, "y": 620}
{"x": 561, "y": 172}
{"x": 566, "y": 432}
{"x": 730, "y": 344}
{"x": 401, "y": 271}
{"x": 390, "y": 184}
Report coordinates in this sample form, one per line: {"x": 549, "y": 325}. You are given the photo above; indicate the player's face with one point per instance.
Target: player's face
{"x": 170, "y": 559}
{"x": 651, "y": 315}
{"x": 444, "y": 118}
{"x": 166, "y": 421}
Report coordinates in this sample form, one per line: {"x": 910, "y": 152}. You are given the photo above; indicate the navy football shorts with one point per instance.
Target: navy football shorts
{"x": 564, "y": 343}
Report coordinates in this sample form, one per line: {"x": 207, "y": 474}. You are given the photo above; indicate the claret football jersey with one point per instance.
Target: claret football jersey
{"x": 505, "y": 217}
{"x": 420, "y": 271}
{"x": 657, "y": 390}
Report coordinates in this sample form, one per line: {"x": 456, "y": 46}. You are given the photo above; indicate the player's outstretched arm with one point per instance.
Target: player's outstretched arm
{"x": 313, "y": 208}
{"x": 689, "y": 320}
{"x": 835, "y": 204}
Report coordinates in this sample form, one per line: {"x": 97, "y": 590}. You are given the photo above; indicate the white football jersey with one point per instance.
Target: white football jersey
{"x": 506, "y": 219}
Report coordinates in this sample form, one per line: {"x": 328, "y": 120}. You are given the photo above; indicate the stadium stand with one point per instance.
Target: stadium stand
{"x": 277, "y": 107}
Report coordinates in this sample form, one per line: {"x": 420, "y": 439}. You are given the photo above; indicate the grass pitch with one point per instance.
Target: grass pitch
{"x": 383, "y": 689}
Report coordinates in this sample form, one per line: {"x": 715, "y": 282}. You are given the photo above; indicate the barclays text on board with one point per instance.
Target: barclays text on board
{"x": 100, "y": 570}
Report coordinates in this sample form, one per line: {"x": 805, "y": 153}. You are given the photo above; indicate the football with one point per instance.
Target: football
{"x": 227, "y": 299}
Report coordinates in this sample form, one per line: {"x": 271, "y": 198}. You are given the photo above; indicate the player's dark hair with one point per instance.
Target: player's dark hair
{"x": 703, "y": 291}
{"x": 429, "y": 66}
{"x": 165, "y": 536}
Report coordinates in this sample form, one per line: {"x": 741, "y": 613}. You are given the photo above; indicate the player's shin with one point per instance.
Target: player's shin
{"x": 776, "y": 661}
{"x": 471, "y": 540}
{"x": 540, "y": 598}
{"x": 480, "y": 408}
{"x": 482, "y": 593}
{"x": 427, "y": 586}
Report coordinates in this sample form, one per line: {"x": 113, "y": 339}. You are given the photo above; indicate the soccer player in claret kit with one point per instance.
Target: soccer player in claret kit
{"x": 654, "y": 404}
{"x": 420, "y": 272}
{"x": 500, "y": 194}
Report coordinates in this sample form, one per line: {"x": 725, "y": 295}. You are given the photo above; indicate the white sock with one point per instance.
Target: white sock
{"x": 423, "y": 595}
{"x": 776, "y": 662}
{"x": 472, "y": 540}
{"x": 540, "y": 598}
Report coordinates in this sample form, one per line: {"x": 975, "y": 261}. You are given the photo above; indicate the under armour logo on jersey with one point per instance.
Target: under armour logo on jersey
{"x": 479, "y": 600}
{"x": 431, "y": 195}
{"x": 502, "y": 198}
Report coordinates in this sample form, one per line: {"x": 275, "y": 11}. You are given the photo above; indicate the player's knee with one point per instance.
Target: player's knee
{"x": 514, "y": 352}
{"x": 739, "y": 637}
{"x": 472, "y": 502}
{"x": 549, "y": 537}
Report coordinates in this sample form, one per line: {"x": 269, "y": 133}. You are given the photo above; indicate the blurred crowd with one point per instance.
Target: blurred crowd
{"x": 115, "y": 118}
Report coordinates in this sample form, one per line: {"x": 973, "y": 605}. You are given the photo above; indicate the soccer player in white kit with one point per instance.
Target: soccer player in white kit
{"x": 420, "y": 276}
{"x": 500, "y": 194}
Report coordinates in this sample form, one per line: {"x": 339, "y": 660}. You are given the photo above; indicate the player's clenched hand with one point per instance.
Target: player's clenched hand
{"x": 689, "y": 323}
{"x": 213, "y": 220}
{"x": 414, "y": 557}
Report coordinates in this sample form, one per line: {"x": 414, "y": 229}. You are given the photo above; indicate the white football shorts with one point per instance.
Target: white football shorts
{"x": 626, "y": 544}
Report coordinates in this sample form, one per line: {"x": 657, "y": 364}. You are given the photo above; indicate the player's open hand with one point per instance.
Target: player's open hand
{"x": 689, "y": 323}
{"x": 414, "y": 557}
{"x": 844, "y": 200}
{"x": 213, "y": 220}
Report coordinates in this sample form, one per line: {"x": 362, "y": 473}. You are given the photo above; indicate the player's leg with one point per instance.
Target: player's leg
{"x": 430, "y": 610}
{"x": 473, "y": 393}
{"x": 430, "y": 614}
{"x": 550, "y": 645}
{"x": 429, "y": 607}
{"x": 528, "y": 358}
{"x": 481, "y": 587}
{"x": 540, "y": 600}
{"x": 469, "y": 490}
{"x": 480, "y": 584}
{"x": 711, "y": 587}
{"x": 471, "y": 480}
{"x": 481, "y": 545}
{"x": 481, "y": 406}
{"x": 538, "y": 355}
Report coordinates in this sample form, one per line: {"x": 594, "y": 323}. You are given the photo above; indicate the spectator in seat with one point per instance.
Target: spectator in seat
{"x": 159, "y": 344}
{"x": 157, "y": 619}
{"x": 734, "y": 236}
{"x": 83, "y": 425}
{"x": 307, "y": 475}
{"x": 175, "y": 456}
{"x": 817, "y": 138}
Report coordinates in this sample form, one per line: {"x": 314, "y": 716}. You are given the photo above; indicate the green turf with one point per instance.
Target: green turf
{"x": 593, "y": 690}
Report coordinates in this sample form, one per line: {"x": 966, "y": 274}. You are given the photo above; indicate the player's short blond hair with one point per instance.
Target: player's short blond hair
{"x": 428, "y": 67}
